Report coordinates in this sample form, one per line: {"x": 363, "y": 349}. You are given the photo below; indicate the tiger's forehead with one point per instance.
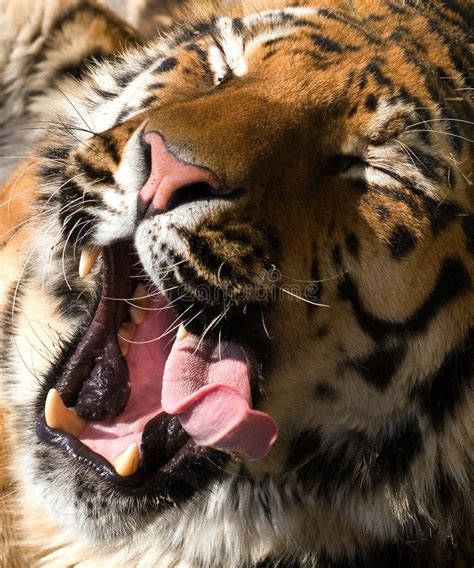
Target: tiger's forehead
{"x": 301, "y": 55}
{"x": 213, "y": 51}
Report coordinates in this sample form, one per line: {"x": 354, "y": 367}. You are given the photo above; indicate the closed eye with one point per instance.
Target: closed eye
{"x": 340, "y": 163}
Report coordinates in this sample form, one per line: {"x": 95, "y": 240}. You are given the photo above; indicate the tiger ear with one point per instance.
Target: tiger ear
{"x": 17, "y": 196}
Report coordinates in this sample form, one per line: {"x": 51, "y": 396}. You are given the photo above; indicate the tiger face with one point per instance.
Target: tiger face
{"x": 256, "y": 257}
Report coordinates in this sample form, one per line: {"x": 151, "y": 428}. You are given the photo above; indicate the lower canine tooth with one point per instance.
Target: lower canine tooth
{"x": 60, "y": 417}
{"x": 88, "y": 258}
{"x": 128, "y": 461}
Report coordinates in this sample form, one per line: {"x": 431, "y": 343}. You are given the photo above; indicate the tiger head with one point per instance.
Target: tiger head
{"x": 271, "y": 220}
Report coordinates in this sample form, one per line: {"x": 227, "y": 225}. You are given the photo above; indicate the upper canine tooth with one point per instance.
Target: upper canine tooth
{"x": 182, "y": 332}
{"x": 140, "y": 301}
{"x": 60, "y": 417}
{"x": 128, "y": 461}
{"x": 88, "y": 257}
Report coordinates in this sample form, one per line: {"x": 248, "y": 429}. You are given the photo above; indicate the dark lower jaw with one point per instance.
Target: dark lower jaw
{"x": 172, "y": 466}
{"x": 167, "y": 474}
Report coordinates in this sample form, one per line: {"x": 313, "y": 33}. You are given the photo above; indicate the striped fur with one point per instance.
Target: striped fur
{"x": 350, "y": 125}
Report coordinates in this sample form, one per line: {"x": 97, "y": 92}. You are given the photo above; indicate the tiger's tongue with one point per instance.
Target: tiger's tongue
{"x": 207, "y": 386}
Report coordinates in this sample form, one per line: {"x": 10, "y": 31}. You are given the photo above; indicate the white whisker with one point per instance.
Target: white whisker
{"x": 303, "y": 299}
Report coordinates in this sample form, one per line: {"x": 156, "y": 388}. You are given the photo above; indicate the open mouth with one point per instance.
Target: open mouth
{"x": 140, "y": 394}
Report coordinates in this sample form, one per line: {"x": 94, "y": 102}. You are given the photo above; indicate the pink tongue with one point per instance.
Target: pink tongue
{"x": 146, "y": 361}
{"x": 208, "y": 388}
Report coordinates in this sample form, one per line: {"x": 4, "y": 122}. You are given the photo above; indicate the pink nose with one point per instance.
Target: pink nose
{"x": 168, "y": 176}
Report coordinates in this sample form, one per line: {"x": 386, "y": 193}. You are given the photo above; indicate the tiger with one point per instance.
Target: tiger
{"x": 237, "y": 285}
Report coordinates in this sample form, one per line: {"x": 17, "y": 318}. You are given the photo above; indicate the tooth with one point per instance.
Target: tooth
{"x": 125, "y": 333}
{"x": 88, "y": 257}
{"x": 128, "y": 461}
{"x": 60, "y": 417}
{"x": 182, "y": 333}
{"x": 124, "y": 346}
{"x": 140, "y": 301}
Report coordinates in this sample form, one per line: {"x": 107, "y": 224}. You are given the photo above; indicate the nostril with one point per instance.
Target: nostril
{"x": 190, "y": 193}
{"x": 172, "y": 181}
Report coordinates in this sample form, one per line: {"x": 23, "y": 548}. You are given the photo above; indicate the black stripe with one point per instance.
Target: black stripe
{"x": 463, "y": 10}
{"x": 431, "y": 164}
{"x": 352, "y": 244}
{"x": 156, "y": 86}
{"x": 148, "y": 102}
{"x": 93, "y": 172}
{"x": 76, "y": 225}
{"x": 401, "y": 241}
{"x": 234, "y": 234}
{"x": 382, "y": 211}
{"x": 78, "y": 69}
{"x": 453, "y": 280}
{"x": 107, "y": 95}
{"x": 431, "y": 13}
{"x": 352, "y": 460}
{"x": 397, "y": 9}
{"x": 193, "y": 48}
{"x": 306, "y": 24}
{"x": 55, "y": 152}
{"x": 123, "y": 114}
{"x": 443, "y": 392}
{"x": 451, "y": 127}
{"x": 238, "y": 25}
{"x": 468, "y": 228}
{"x": 201, "y": 248}
{"x": 403, "y": 34}
{"x": 458, "y": 54}
{"x": 126, "y": 77}
{"x": 441, "y": 215}
{"x": 110, "y": 146}
{"x": 184, "y": 36}
{"x": 70, "y": 191}
{"x": 379, "y": 367}
{"x": 422, "y": 114}
{"x": 326, "y": 44}
{"x": 404, "y": 196}
{"x": 371, "y": 102}
{"x": 336, "y": 255}
{"x": 167, "y": 65}
{"x": 51, "y": 170}
{"x": 350, "y": 22}
{"x": 373, "y": 68}
{"x": 325, "y": 391}
{"x": 189, "y": 34}
{"x": 73, "y": 303}
{"x": 70, "y": 14}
